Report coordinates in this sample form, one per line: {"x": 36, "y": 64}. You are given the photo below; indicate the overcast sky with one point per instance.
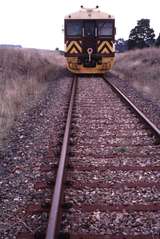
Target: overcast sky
{"x": 38, "y": 23}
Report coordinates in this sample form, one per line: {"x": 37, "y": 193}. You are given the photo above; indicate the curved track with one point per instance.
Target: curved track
{"x": 111, "y": 185}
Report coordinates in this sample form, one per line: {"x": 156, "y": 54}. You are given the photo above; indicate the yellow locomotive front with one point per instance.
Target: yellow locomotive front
{"x": 89, "y": 41}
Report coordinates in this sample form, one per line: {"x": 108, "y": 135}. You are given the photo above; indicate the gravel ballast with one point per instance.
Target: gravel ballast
{"x": 27, "y": 166}
{"x": 113, "y": 158}
{"x": 146, "y": 103}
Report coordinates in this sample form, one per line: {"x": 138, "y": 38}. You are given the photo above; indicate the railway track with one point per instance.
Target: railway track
{"x": 107, "y": 183}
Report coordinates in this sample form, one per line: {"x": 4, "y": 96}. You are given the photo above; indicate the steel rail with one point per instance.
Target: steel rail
{"x": 143, "y": 117}
{"x": 55, "y": 205}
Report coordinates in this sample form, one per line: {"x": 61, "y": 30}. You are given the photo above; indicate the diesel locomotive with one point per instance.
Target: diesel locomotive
{"x": 89, "y": 41}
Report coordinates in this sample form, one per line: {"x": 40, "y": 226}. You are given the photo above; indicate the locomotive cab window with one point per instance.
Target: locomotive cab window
{"x": 74, "y": 28}
{"x": 89, "y": 28}
{"x": 105, "y": 28}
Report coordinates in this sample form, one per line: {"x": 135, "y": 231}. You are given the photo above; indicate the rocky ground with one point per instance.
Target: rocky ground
{"x": 148, "y": 103}
{"x": 30, "y": 154}
{"x": 107, "y": 195}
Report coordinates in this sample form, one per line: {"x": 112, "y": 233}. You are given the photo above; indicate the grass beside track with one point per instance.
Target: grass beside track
{"x": 24, "y": 77}
{"x": 141, "y": 69}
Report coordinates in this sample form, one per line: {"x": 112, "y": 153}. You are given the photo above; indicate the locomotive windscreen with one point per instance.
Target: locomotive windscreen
{"x": 89, "y": 28}
{"x": 74, "y": 28}
{"x": 105, "y": 28}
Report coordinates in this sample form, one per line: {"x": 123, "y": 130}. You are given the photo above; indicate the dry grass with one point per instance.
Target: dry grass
{"x": 141, "y": 68}
{"x": 23, "y": 77}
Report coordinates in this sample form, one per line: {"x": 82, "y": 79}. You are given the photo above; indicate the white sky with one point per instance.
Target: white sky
{"x": 38, "y": 23}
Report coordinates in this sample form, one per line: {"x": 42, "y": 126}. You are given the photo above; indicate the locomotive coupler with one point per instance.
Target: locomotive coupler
{"x": 89, "y": 51}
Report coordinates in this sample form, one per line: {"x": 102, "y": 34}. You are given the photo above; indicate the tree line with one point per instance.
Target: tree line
{"x": 141, "y": 36}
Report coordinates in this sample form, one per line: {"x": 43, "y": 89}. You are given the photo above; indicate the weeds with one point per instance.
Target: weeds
{"x": 141, "y": 68}
{"x": 23, "y": 76}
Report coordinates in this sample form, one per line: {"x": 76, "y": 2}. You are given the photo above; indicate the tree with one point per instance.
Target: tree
{"x": 157, "y": 43}
{"x": 142, "y": 35}
{"x": 121, "y": 45}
